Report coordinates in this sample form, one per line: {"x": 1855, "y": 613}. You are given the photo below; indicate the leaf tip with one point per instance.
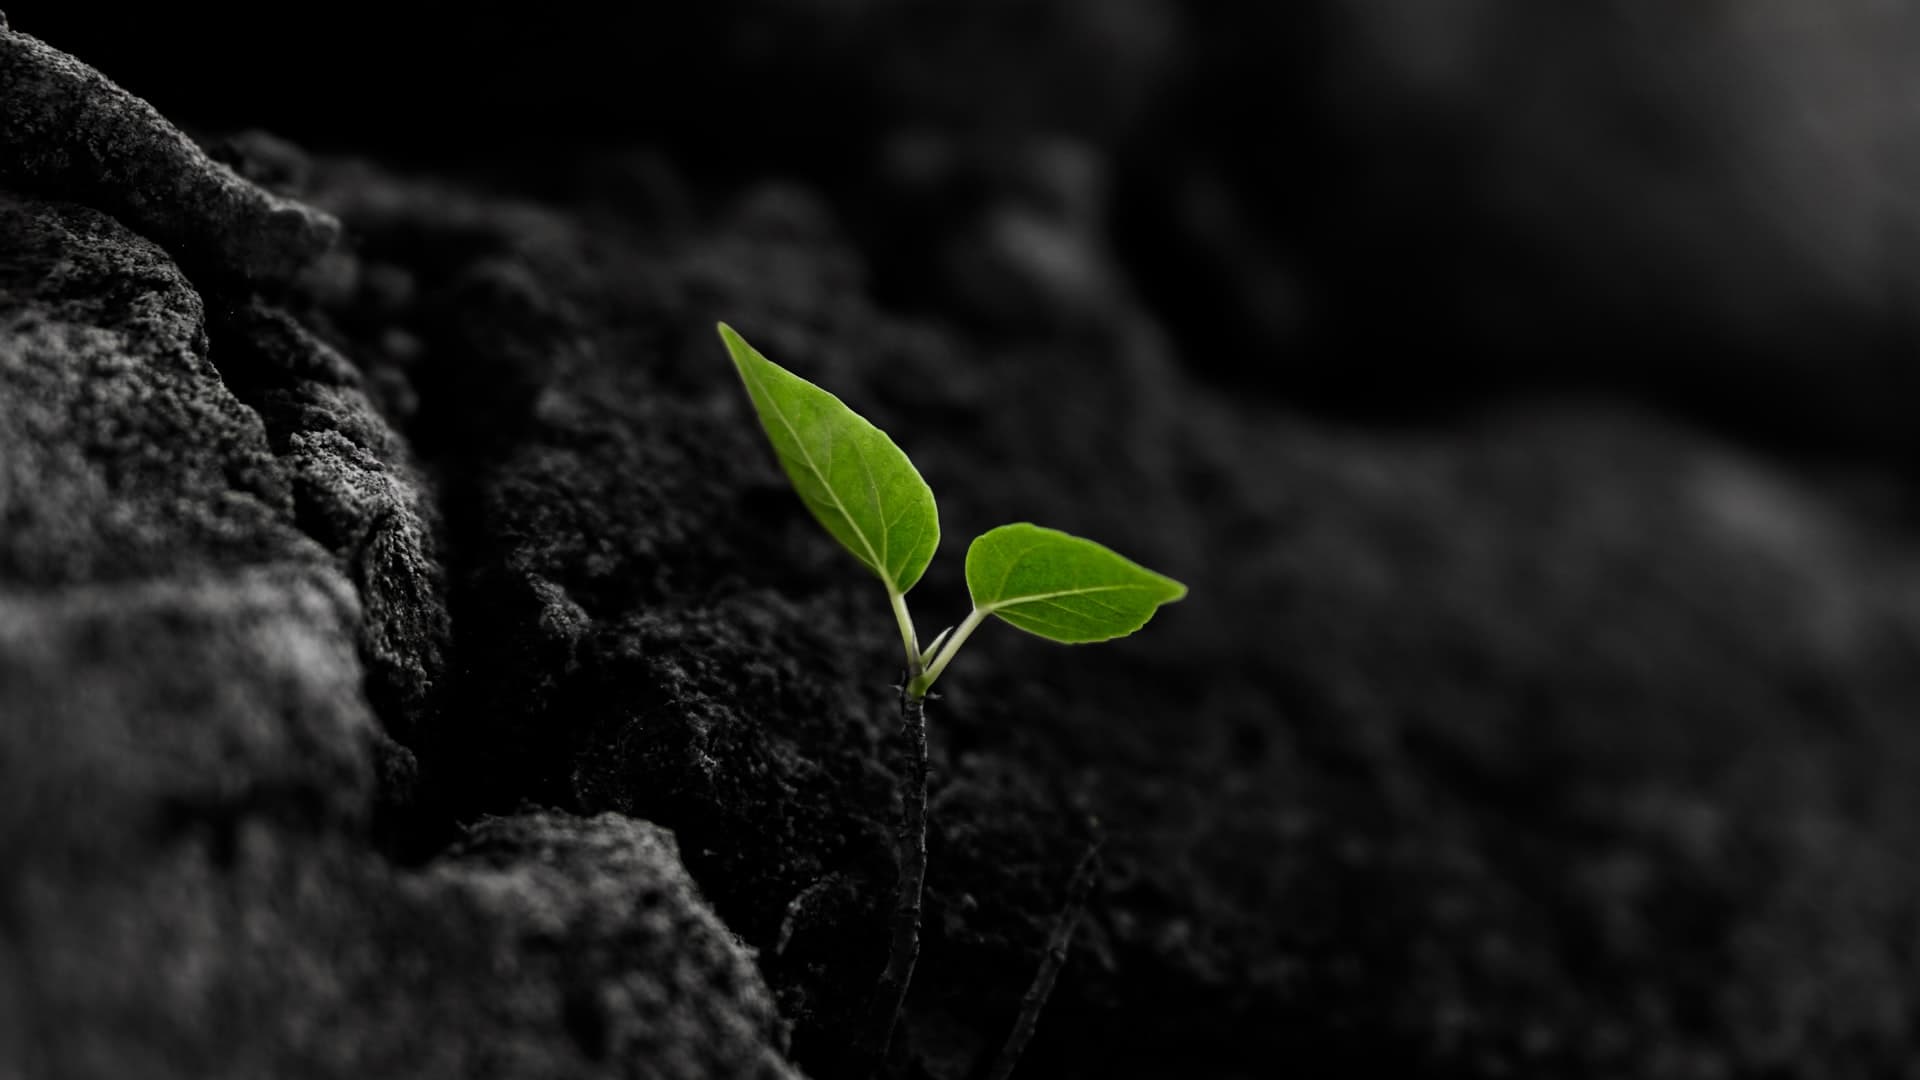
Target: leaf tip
{"x": 746, "y": 359}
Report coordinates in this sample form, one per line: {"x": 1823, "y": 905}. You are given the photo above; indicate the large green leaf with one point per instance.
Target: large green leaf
{"x": 1059, "y": 586}
{"x": 855, "y": 480}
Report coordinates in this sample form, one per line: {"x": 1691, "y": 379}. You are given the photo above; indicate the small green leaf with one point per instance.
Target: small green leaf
{"x": 933, "y": 649}
{"x": 1059, "y": 586}
{"x": 848, "y": 473}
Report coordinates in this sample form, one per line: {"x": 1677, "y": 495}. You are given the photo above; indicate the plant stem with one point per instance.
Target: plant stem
{"x": 908, "y": 638}
{"x": 1035, "y": 999}
{"x": 910, "y": 841}
{"x": 923, "y": 681}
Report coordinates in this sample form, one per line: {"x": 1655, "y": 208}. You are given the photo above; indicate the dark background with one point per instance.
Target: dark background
{"x": 1374, "y": 208}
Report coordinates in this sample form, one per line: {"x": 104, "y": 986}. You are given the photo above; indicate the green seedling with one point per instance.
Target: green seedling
{"x": 864, "y": 490}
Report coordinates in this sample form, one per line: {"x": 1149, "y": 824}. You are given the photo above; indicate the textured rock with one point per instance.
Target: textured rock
{"x": 70, "y": 132}
{"x": 151, "y": 563}
{"x": 651, "y": 983}
{"x": 140, "y": 711}
{"x": 355, "y": 490}
{"x": 191, "y": 752}
{"x": 553, "y": 948}
{"x": 121, "y": 453}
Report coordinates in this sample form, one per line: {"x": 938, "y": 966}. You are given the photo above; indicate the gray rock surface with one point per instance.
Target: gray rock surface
{"x": 356, "y": 490}
{"x": 548, "y": 946}
{"x": 123, "y": 452}
{"x": 71, "y": 133}
{"x": 211, "y": 629}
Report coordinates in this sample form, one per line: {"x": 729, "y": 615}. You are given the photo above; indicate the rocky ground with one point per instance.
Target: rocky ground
{"x": 412, "y": 662}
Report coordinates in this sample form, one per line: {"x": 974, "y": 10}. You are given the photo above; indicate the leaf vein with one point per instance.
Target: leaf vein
{"x": 1084, "y": 590}
{"x": 801, "y": 446}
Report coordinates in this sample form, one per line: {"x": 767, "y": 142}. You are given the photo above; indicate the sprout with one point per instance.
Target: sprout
{"x": 861, "y": 486}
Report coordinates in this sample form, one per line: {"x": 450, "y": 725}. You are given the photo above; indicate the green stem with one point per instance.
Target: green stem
{"x": 923, "y": 682}
{"x": 908, "y": 638}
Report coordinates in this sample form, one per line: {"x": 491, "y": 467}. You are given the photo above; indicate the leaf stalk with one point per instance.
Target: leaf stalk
{"x": 921, "y": 683}
{"x": 908, "y": 639}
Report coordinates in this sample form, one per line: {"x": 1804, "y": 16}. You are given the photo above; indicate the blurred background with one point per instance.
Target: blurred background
{"x": 1366, "y": 207}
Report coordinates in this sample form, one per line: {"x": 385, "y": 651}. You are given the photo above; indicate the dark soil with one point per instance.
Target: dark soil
{"x": 413, "y": 663}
